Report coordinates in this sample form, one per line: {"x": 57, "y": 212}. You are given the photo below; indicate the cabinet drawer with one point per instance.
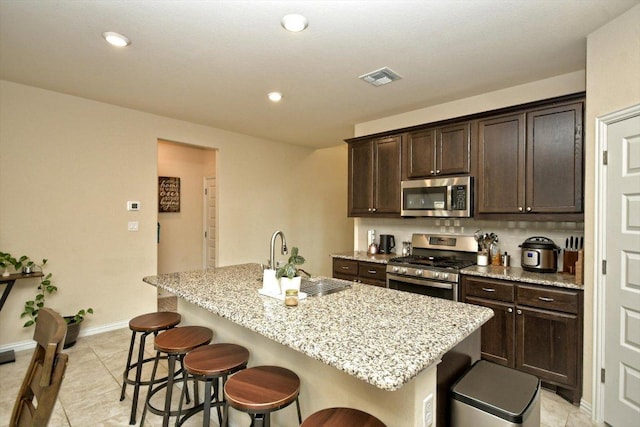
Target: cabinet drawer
{"x": 371, "y": 270}
{"x": 489, "y": 289}
{"x": 345, "y": 267}
{"x": 548, "y": 298}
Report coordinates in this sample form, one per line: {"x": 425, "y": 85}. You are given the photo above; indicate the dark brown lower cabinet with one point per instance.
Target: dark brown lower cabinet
{"x": 370, "y": 273}
{"x": 535, "y": 329}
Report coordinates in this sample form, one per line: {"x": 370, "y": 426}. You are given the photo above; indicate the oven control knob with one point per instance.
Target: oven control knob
{"x": 403, "y": 270}
{"x": 418, "y": 272}
{"x": 395, "y": 269}
{"x": 444, "y": 276}
{"x": 436, "y": 275}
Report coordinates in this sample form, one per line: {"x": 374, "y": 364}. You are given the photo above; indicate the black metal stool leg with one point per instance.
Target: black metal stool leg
{"x": 299, "y": 413}
{"x": 153, "y": 377}
{"x": 128, "y": 365}
{"x": 136, "y": 386}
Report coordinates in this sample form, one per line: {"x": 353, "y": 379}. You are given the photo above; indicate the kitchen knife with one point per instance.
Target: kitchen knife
{"x": 571, "y": 245}
{"x": 581, "y": 243}
{"x": 566, "y": 244}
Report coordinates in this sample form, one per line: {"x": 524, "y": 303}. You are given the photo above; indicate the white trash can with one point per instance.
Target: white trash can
{"x": 490, "y": 395}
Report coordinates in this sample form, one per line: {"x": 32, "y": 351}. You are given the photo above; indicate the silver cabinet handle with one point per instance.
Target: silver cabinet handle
{"x": 545, "y": 299}
{"x": 344, "y": 267}
{"x": 519, "y": 311}
{"x": 488, "y": 289}
{"x": 509, "y": 310}
{"x": 528, "y": 208}
{"x": 437, "y": 171}
{"x": 372, "y": 272}
{"x": 520, "y": 209}
{"x": 373, "y": 209}
{"x": 431, "y": 172}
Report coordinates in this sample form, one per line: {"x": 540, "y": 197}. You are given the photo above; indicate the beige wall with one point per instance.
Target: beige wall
{"x": 548, "y": 88}
{"x": 613, "y": 83}
{"x": 68, "y": 165}
{"x": 181, "y": 233}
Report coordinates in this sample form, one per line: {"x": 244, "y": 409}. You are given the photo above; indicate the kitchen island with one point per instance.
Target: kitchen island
{"x": 369, "y": 348}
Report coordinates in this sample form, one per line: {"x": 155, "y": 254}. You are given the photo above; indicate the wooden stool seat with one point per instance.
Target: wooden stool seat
{"x": 145, "y": 324}
{"x": 210, "y": 364}
{"x": 175, "y": 343}
{"x": 341, "y": 417}
{"x": 261, "y": 390}
{"x": 183, "y": 339}
{"x": 152, "y": 322}
{"x": 216, "y": 359}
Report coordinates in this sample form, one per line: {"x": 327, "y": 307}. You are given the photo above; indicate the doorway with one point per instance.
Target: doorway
{"x": 180, "y": 231}
{"x": 617, "y": 274}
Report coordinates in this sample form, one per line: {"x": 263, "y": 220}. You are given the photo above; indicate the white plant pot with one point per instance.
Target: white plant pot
{"x": 286, "y": 283}
{"x": 270, "y": 284}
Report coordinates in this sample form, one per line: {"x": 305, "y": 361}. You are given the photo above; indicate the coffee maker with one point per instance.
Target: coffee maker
{"x": 387, "y": 244}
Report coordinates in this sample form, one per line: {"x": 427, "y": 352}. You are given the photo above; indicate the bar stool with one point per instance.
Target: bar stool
{"x": 340, "y": 417}
{"x": 145, "y": 324}
{"x": 261, "y": 390}
{"x": 210, "y": 363}
{"x": 175, "y": 342}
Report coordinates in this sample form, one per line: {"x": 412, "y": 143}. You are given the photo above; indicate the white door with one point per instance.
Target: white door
{"x": 622, "y": 278}
{"x": 209, "y": 222}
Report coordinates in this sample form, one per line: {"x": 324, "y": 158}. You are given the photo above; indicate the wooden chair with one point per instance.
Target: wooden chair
{"x": 45, "y": 373}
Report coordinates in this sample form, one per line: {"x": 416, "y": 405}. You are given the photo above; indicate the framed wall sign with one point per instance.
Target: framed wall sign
{"x": 168, "y": 194}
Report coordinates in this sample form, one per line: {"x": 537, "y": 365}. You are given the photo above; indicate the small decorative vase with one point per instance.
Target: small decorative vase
{"x": 6, "y": 273}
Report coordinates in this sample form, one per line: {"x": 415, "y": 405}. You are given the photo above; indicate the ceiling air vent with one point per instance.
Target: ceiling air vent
{"x": 380, "y": 77}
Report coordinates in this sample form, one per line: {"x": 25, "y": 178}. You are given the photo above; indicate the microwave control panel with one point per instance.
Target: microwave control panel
{"x": 459, "y": 197}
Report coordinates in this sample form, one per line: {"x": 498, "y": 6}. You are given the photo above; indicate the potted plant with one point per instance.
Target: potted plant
{"x": 45, "y": 288}
{"x": 6, "y": 261}
{"x": 289, "y": 273}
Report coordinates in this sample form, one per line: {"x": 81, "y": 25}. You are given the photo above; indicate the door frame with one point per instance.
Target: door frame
{"x": 205, "y": 214}
{"x": 600, "y": 239}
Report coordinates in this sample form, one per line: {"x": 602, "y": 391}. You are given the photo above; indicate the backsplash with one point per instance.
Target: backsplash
{"x": 510, "y": 233}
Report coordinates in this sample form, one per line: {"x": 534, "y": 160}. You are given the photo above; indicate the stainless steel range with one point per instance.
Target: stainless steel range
{"x": 434, "y": 265}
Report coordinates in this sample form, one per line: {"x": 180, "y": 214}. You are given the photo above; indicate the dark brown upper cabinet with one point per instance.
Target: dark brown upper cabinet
{"x": 437, "y": 151}
{"x": 531, "y": 162}
{"x": 374, "y": 177}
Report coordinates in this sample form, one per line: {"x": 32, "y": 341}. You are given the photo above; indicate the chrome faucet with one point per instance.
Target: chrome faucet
{"x": 283, "y": 250}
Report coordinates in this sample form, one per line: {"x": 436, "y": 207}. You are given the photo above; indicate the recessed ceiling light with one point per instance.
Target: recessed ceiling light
{"x": 275, "y": 96}
{"x": 116, "y": 39}
{"x": 294, "y": 22}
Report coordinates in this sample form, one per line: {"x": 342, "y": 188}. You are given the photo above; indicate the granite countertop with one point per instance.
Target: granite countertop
{"x": 381, "y": 336}
{"x": 364, "y": 256}
{"x": 517, "y": 274}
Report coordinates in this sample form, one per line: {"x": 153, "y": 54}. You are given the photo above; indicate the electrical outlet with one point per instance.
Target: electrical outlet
{"x": 427, "y": 411}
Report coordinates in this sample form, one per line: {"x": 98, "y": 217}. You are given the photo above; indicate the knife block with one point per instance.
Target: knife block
{"x": 580, "y": 268}
{"x": 569, "y": 261}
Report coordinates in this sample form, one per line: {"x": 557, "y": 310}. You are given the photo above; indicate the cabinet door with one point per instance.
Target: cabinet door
{"x": 554, "y": 159}
{"x": 420, "y": 152}
{"x": 547, "y": 345}
{"x": 452, "y": 149}
{"x": 387, "y": 175}
{"x": 360, "y": 178}
{"x": 372, "y": 273}
{"x": 497, "y": 335}
{"x": 346, "y": 269}
{"x": 501, "y": 160}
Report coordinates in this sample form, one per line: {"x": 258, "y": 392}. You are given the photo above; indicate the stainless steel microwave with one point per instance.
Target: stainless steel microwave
{"x": 450, "y": 197}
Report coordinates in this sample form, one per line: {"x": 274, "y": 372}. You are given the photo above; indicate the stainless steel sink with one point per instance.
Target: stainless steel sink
{"x": 324, "y": 286}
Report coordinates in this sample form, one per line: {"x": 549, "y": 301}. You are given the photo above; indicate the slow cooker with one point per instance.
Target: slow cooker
{"x": 539, "y": 254}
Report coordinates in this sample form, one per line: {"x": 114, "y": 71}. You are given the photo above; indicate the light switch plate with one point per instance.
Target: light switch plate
{"x": 132, "y": 226}
{"x": 133, "y": 205}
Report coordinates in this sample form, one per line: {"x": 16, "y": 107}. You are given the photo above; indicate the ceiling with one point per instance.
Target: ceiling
{"x": 213, "y": 62}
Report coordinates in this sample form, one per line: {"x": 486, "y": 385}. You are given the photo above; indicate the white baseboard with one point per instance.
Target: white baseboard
{"x": 28, "y": 345}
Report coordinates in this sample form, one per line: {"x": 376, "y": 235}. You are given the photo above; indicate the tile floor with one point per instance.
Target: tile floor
{"x": 90, "y": 393}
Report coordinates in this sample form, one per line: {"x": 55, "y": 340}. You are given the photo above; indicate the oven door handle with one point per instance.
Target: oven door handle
{"x": 441, "y": 285}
